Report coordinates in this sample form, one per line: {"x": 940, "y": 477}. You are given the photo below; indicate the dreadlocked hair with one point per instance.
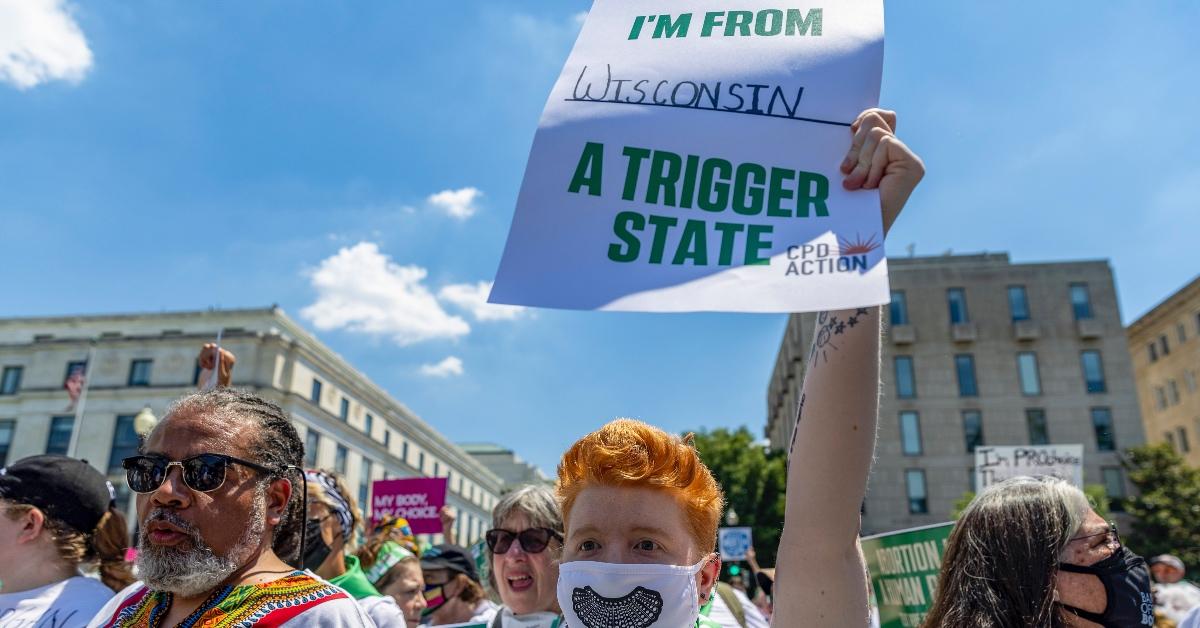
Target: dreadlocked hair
{"x": 275, "y": 445}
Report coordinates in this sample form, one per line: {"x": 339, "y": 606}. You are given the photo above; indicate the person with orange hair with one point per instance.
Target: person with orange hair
{"x": 641, "y": 510}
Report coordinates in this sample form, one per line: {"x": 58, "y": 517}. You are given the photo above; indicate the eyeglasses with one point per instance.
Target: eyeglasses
{"x": 1112, "y": 538}
{"x": 204, "y": 472}
{"x": 533, "y": 540}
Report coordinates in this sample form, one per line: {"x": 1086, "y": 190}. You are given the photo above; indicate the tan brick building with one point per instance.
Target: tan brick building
{"x": 979, "y": 350}
{"x": 1165, "y": 346}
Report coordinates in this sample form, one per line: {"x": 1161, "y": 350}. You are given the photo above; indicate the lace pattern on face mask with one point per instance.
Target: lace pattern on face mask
{"x": 639, "y": 608}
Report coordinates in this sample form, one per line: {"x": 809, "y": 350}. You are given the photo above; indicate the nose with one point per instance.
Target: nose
{"x": 420, "y": 602}
{"x": 515, "y": 550}
{"x": 173, "y": 492}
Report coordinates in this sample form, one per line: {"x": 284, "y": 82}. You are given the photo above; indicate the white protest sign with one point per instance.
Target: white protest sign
{"x": 734, "y": 542}
{"x": 995, "y": 464}
{"x": 689, "y": 160}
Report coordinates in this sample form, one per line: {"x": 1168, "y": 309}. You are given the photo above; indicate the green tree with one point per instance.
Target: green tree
{"x": 1096, "y": 494}
{"x": 1166, "y": 505}
{"x": 754, "y": 481}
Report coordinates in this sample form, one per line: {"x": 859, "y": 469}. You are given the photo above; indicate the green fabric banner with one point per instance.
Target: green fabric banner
{"x": 904, "y": 568}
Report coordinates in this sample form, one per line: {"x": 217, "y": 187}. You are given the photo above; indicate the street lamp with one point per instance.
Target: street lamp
{"x": 145, "y": 421}
{"x": 731, "y": 517}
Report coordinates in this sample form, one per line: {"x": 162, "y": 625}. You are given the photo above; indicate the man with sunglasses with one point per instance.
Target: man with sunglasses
{"x": 221, "y": 516}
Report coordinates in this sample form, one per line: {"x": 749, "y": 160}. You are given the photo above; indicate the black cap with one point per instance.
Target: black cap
{"x": 66, "y": 489}
{"x": 450, "y": 557}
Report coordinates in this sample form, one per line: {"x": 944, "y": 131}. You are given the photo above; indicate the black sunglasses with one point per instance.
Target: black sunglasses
{"x": 532, "y": 540}
{"x": 204, "y": 472}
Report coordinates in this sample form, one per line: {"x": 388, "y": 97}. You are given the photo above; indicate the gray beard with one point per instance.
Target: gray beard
{"x": 197, "y": 570}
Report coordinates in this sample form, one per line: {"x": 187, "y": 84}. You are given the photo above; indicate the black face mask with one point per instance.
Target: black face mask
{"x": 1126, "y": 581}
{"x": 316, "y": 550}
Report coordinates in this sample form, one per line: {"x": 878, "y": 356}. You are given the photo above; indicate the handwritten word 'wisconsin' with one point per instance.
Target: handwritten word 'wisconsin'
{"x": 765, "y": 23}
{"x": 751, "y": 98}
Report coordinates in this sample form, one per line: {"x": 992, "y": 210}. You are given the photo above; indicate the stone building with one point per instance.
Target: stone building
{"x": 505, "y": 463}
{"x": 1165, "y": 346}
{"x": 979, "y": 350}
{"x": 140, "y": 361}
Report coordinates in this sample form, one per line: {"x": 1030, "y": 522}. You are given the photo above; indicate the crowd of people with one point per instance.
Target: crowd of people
{"x": 233, "y": 530}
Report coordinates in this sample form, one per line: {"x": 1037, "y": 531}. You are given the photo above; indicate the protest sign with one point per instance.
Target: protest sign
{"x": 419, "y": 500}
{"x": 689, "y": 161}
{"x": 904, "y": 569}
{"x": 734, "y": 542}
{"x": 995, "y": 464}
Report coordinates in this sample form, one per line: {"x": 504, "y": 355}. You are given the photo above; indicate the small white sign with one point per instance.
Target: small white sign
{"x": 998, "y": 463}
{"x": 688, "y": 159}
{"x": 735, "y": 542}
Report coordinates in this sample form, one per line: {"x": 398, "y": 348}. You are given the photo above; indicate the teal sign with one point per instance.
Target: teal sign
{"x": 904, "y": 568}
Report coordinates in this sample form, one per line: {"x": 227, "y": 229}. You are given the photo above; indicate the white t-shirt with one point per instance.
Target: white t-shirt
{"x": 722, "y": 614}
{"x": 1192, "y": 620}
{"x": 70, "y": 603}
{"x": 383, "y": 610}
{"x": 338, "y": 610}
{"x": 1176, "y": 600}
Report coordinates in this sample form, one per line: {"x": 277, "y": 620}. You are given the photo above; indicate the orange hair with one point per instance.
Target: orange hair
{"x": 626, "y": 452}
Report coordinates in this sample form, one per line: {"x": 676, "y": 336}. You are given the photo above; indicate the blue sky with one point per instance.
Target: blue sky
{"x": 176, "y": 155}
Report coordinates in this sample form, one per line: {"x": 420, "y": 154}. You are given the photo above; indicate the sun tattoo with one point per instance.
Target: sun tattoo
{"x": 829, "y": 326}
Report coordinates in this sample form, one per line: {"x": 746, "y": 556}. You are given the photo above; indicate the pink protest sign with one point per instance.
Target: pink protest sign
{"x": 419, "y": 500}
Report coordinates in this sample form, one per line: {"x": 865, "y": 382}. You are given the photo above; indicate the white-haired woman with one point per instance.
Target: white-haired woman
{"x": 524, "y": 546}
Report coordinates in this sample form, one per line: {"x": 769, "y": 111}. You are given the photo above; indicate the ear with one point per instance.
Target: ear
{"x": 32, "y": 524}
{"x": 279, "y": 494}
{"x": 706, "y": 579}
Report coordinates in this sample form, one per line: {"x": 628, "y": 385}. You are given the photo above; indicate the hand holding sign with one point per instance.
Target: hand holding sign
{"x": 878, "y": 160}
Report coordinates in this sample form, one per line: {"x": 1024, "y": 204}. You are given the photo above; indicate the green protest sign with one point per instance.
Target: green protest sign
{"x": 904, "y": 568}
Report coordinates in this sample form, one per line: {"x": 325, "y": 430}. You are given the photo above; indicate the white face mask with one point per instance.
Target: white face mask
{"x": 531, "y": 620}
{"x": 612, "y": 595}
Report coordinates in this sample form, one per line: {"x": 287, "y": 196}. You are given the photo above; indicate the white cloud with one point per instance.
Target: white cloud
{"x": 40, "y": 42}
{"x": 472, "y": 297}
{"x": 360, "y": 289}
{"x": 458, "y": 203}
{"x": 446, "y": 368}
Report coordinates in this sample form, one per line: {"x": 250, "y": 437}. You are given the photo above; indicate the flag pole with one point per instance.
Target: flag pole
{"x": 77, "y": 427}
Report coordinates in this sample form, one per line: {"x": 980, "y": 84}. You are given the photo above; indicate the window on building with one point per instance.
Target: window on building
{"x": 196, "y": 373}
{"x": 1027, "y": 370}
{"x": 918, "y": 499}
{"x": 1152, "y": 349}
{"x": 898, "y": 309}
{"x": 1181, "y": 332}
{"x": 964, "y": 366}
{"x": 312, "y": 447}
{"x": 72, "y": 367}
{"x": 1081, "y": 301}
{"x": 339, "y": 460}
{"x": 1164, "y": 345}
{"x": 60, "y": 435}
{"x": 1018, "y": 303}
{"x": 139, "y": 372}
{"x": 1170, "y": 436}
{"x": 369, "y": 424}
{"x": 1185, "y": 445}
{"x": 315, "y": 395}
{"x": 1114, "y": 487}
{"x": 1198, "y": 322}
{"x": 1103, "y": 425}
{"x": 421, "y": 462}
{"x": 437, "y": 469}
{"x": 1173, "y": 388}
{"x": 1039, "y": 431}
{"x": 10, "y": 382}
{"x": 906, "y": 384}
{"x": 124, "y": 444}
{"x": 1093, "y": 371}
{"x": 364, "y": 487}
{"x": 1189, "y": 377}
{"x": 910, "y": 433}
{"x": 973, "y": 429}
{"x": 344, "y": 410}
{"x": 7, "y": 428}
{"x": 404, "y": 452}
{"x": 387, "y": 439}
{"x": 1160, "y": 395}
{"x": 956, "y": 298}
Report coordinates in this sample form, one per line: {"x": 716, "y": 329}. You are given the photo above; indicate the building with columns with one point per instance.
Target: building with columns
{"x": 146, "y": 360}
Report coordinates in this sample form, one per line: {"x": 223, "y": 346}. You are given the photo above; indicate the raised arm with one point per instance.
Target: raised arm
{"x": 820, "y": 574}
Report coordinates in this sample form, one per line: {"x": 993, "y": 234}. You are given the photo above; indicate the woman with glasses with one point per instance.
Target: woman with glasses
{"x": 524, "y": 547}
{"x": 55, "y": 518}
{"x": 1032, "y": 552}
{"x": 333, "y": 519}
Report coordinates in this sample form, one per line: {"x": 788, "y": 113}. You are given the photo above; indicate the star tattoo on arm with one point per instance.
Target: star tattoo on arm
{"x": 828, "y": 327}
